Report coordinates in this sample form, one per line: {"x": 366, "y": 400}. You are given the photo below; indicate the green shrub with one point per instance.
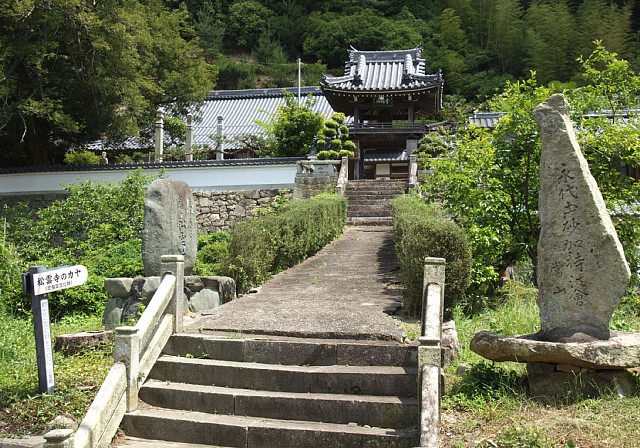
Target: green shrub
{"x": 328, "y": 155}
{"x": 121, "y": 260}
{"x": 349, "y": 146}
{"x": 268, "y": 244}
{"x": 11, "y": 298}
{"x": 97, "y": 225}
{"x": 81, "y": 157}
{"x": 212, "y": 250}
{"x": 422, "y": 231}
{"x": 89, "y": 298}
{"x": 336, "y": 144}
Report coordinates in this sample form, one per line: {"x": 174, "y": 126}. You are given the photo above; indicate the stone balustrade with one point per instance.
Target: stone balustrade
{"x": 430, "y": 351}
{"x": 136, "y": 350}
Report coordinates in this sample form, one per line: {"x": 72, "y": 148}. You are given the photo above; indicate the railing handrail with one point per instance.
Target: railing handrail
{"x": 136, "y": 350}
{"x": 430, "y": 351}
{"x": 387, "y": 125}
{"x": 155, "y": 310}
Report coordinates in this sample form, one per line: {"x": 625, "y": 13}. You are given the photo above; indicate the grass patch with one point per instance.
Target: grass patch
{"x": 489, "y": 407}
{"x": 22, "y": 408}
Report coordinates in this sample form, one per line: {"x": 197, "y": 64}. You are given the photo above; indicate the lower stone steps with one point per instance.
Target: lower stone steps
{"x": 219, "y": 391}
{"x": 240, "y": 431}
{"x": 371, "y": 199}
{"x": 371, "y": 410}
{"x": 370, "y": 221}
{"x": 365, "y": 380}
{"x": 135, "y": 442}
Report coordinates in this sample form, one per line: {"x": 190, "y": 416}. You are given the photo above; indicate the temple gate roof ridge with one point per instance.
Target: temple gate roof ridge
{"x": 383, "y": 71}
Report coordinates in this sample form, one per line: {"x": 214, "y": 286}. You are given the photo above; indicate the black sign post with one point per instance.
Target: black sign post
{"x": 41, "y": 326}
{"x": 37, "y": 283}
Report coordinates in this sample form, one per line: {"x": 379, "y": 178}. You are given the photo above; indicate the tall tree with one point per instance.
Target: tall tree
{"x": 247, "y": 20}
{"x": 550, "y": 41}
{"x": 489, "y": 182}
{"x": 505, "y": 39}
{"x": 75, "y": 71}
{"x": 293, "y": 128}
{"x": 329, "y": 35}
{"x": 210, "y": 28}
{"x": 605, "y": 21}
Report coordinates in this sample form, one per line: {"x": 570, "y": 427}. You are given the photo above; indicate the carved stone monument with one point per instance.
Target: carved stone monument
{"x": 582, "y": 273}
{"x": 169, "y": 225}
{"x": 169, "y": 229}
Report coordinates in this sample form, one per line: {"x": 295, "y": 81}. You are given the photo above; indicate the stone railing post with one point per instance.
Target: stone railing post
{"x": 430, "y": 351}
{"x": 159, "y": 135}
{"x": 127, "y": 351}
{"x": 220, "y": 136}
{"x": 174, "y": 264}
{"x": 188, "y": 144}
{"x": 343, "y": 176}
{"x": 58, "y": 438}
{"x": 413, "y": 171}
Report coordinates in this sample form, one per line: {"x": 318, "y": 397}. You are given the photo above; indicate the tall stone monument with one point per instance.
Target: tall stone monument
{"x": 582, "y": 273}
{"x": 170, "y": 228}
{"x": 169, "y": 225}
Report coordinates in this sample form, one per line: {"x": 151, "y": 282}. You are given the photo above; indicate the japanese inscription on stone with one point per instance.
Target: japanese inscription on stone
{"x": 571, "y": 265}
{"x": 169, "y": 225}
{"x": 582, "y": 271}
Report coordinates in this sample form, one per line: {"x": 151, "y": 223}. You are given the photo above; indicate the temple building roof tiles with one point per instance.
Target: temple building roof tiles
{"x": 377, "y": 71}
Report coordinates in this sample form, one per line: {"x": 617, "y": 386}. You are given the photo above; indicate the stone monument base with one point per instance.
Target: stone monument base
{"x": 127, "y": 295}
{"x": 565, "y": 382}
{"x": 565, "y": 370}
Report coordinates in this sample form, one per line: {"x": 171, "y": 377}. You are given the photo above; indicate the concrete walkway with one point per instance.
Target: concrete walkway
{"x": 342, "y": 292}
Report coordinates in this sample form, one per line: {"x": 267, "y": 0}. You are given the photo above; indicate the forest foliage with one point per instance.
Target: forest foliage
{"x": 73, "y": 71}
{"x": 489, "y": 180}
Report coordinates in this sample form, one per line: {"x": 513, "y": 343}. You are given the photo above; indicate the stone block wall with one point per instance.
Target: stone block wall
{"x": 33, "y": 201}
{"x": 316, "y": 176}
{"x": 308, "y": 185}
{"x": 217, "y": 210}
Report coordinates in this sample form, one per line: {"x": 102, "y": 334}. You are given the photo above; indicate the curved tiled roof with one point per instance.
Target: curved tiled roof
{"x": 241, "y": 109}
{"x": 377, "y": 71}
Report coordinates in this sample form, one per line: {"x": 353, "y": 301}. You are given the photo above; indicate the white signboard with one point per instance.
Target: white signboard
{"x": 59, "y": 278}
{"x": 48, "y": 353}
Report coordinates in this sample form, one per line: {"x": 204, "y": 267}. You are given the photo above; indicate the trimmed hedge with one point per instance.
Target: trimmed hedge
{"x": 420, "y": 231}
{"x": 263, "y": 246}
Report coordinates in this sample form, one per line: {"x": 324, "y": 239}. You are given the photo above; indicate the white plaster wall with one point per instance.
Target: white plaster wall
{"x": 212, "y": 178}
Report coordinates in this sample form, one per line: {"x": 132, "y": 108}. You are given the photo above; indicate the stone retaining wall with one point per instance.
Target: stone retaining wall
{"x": 316, "y": 176}
{"x": 33, "y": 201}
{"x": 215, "y": 210}
{"x": 308, "y": 185}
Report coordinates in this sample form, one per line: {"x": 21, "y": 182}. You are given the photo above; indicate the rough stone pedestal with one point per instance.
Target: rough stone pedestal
{"x": 565, "y": 371}
{"x": 127, "y": 295}
{"x": 565, "y": 382}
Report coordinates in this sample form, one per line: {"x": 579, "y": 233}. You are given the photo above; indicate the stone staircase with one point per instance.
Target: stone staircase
{"x": 217, "y": 390}
{"x": 370, "y": 200}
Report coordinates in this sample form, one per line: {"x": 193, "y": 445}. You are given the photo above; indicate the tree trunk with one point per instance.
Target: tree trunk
{"x": 36, "y": 143}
